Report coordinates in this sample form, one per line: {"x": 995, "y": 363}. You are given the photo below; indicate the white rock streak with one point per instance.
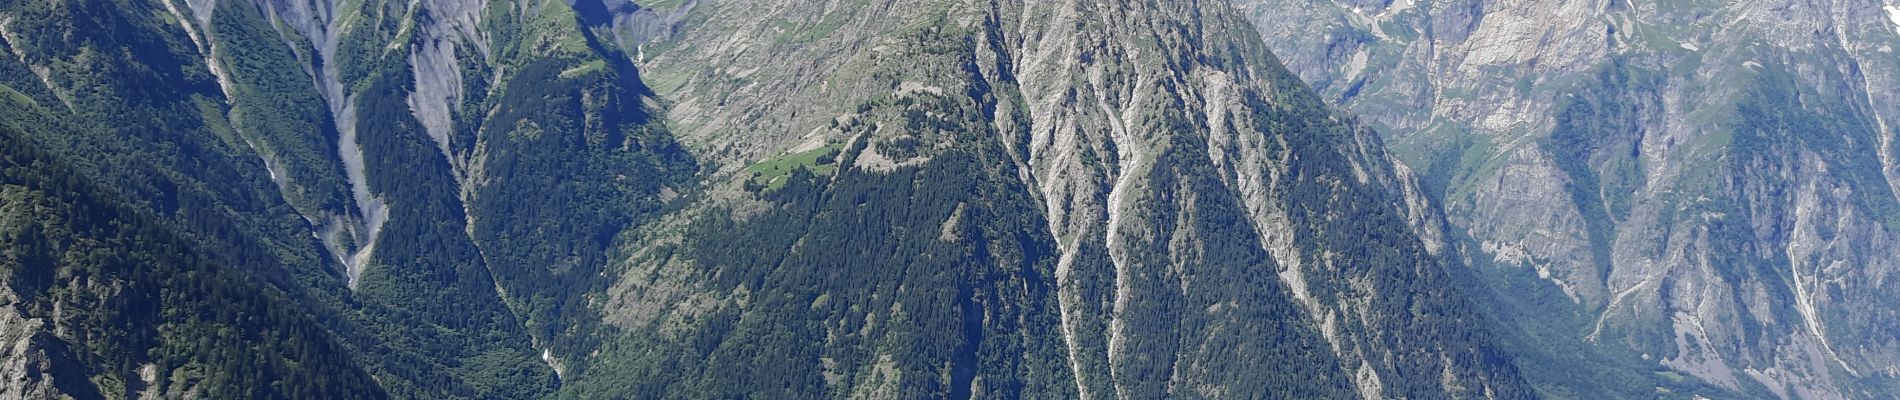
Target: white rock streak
{"x": 1800, "y": 246}
{"x": 1127, "y": 163}
{"x": 1893, "y": 14}
{"x": 374, "y": 211}
{"x": 1053, "y": 149}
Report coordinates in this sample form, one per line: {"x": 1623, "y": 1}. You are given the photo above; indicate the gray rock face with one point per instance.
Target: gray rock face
{"x": 1710, "y": 185}
{"x": 27, "y": 372}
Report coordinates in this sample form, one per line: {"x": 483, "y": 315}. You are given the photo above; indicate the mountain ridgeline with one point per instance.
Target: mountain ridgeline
{"x": 855, "y": 199}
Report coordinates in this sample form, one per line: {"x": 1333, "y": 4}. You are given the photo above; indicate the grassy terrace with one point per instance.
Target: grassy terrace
{"x": 771, "y": 173}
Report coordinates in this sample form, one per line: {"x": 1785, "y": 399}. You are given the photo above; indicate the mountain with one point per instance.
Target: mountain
{"x": 1025, "y": 199}
{"x": 403, "y": 192}
{"x": 700, "y": 199}
{"x": 938, "y": 199}
{"x": 1661, "y": 193}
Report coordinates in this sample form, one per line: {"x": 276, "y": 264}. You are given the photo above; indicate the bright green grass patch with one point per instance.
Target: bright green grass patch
{"x": 585, "y": 68}
{"x": 771, "y": 173}
{"x": 16, "y": 97}
{"x": 660, "y": 4}
{"x": 1672, "y": 376}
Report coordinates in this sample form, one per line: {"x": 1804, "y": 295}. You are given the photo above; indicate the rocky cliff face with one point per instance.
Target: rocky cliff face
{"x": 1707, "y": 187}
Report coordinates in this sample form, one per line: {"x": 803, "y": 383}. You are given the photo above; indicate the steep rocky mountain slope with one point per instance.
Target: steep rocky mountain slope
{"x": 1048, "y": 198}
{"x": 882, "y": 199}
{"x": 1703, "y": 188}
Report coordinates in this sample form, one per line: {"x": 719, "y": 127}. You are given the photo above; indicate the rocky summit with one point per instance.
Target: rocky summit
{"x": 787, "y": 199}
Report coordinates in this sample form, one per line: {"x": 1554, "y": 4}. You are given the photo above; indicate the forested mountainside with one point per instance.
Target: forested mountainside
{"x": 257, "y": 199}
{"x": 884, "y": 199}
{"x": 1654, "y": 192}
